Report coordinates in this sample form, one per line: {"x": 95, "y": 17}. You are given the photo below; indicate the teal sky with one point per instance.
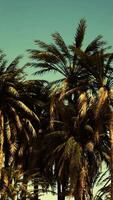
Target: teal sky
{"x": 23, "y": 21}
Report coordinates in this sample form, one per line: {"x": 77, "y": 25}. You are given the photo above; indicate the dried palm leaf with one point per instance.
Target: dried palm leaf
{"x": 102, "y": 97}
{"x": 82, "y": 104}
{"x": 30, "y": 129}
{"x": 16, "y": 118}
{"x": 20, "y": 105}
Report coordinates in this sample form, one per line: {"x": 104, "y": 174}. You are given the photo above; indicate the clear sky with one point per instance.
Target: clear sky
{"x": 23, "y": 21}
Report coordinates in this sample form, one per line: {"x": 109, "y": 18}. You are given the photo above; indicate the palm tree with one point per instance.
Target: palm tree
{"x": 71, "y": 146}
{"x": 100, "y": 66}
{"x": 63, "y": 59}
{"x": 86, "y": 83}
{"x": 77, "y": 79}
{"x": 19, "y": 123}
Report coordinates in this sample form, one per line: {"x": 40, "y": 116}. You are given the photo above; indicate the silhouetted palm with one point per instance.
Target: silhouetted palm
{"x": 59, "y": 57}
{"x": 18, "y": 122}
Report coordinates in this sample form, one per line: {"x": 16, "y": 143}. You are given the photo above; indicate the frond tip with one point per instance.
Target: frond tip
{"x": 80, "y": 32}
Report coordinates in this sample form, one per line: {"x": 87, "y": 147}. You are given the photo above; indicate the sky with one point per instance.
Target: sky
{"x": 23, "y": 21}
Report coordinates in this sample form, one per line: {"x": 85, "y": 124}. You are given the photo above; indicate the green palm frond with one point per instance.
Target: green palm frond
{"x": 108, "y": 67}
{"x": 103, "y": 182}
{"x": 80, "y": 32}
{"x": 52, "y": 49}
{"x": 95, "y": 45}
{"x": 48, "y": 57}
{"x": 3, "y": 66}
{"x": 61, "y": 44}
{"x": 33, "y": 53}
{"x": 42, "y": 45}
{"x": 44, "y": 71}
{"x": 47, "y": 67}
{"x": 14, "y": 64}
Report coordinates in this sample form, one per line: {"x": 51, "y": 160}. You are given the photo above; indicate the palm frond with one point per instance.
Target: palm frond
{"x": 16, "y": 119}
{"x": 56, "y": 134}
{"x": 20, "y": 105}
{"x": 102, "y": 96}
{"x": 12, "y": 91}
{"x": 52, "y": 49}
{"x": 7, "y": 130}
{"x": 80, "y": 32}
{"x": 47, "y": 67}
{"x": 61, "y": 44}
{"x": 82, "y": 104}
{"x": 95, "y": 45}
{"x": 13, "y": 64}
{"x": 48, "y": 57}
{"x": 29, "y": 128}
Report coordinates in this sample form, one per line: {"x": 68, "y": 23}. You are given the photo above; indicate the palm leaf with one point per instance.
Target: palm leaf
{"x": 61, "y": 44}
{"x": 102, "y": 96}
{"x": 95, "y": 45}
{"x": 13, "y": 64}
{"x": 7, "y": 130}
{"x": 48, "y": 57}
{"x": 29, "y": 128}
{"x": 82, "y": 104}
{"x": 12, "y": 91}
{"x": 16, "y": 118}
{"x": 80, "y": 32}
{"x": 20, "y": 105}
{"x": 52, "y": 49}
{"x": 46, "y": 67}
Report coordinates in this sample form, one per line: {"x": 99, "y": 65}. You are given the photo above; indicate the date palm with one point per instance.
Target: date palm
{"x": 60, "y": 58}
{"x": 72, "y": 147}
{"x": 18, "y": 122}
{"x": 92, "y": 106}
{"x": 35, "y": 95}
{"x": 100, "y": 65}
{"x": 86, "y": 75}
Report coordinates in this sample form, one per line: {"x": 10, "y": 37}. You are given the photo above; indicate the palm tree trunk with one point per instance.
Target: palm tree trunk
{"x": 60, "y": 191}
{"x": 79, "y": 193}
{"x": 63, "y": 192}
{"x": 82, "y": 183}
{"x": 36, "y": 195}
